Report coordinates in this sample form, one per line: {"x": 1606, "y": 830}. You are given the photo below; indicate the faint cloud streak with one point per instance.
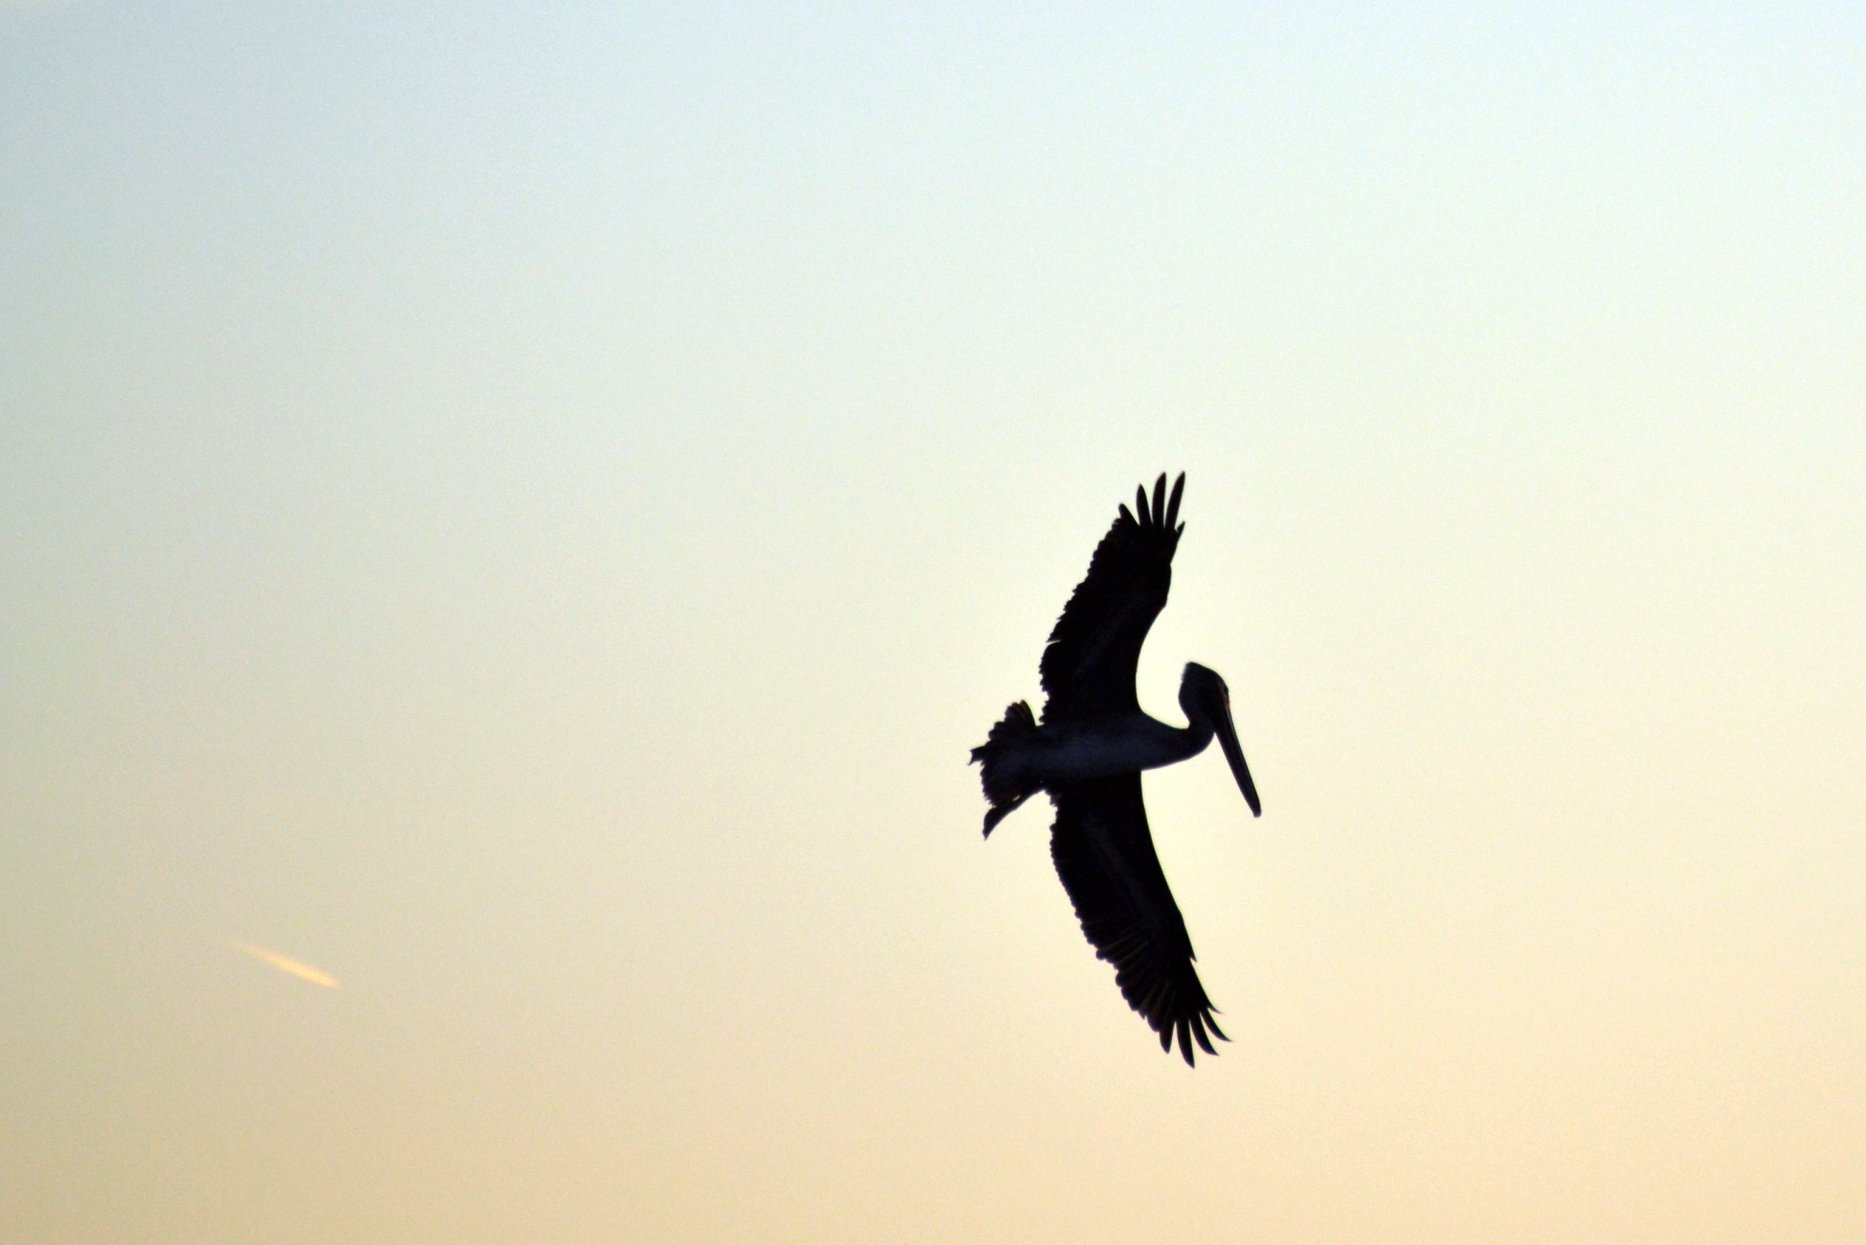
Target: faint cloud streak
{"x": 285, "y": 964}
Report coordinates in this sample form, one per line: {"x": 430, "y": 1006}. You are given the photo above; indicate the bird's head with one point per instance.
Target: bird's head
{"x": 1206, "y": 702}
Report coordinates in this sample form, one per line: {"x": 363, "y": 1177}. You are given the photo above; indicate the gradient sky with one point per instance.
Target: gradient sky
{"x": 511, "y": 518}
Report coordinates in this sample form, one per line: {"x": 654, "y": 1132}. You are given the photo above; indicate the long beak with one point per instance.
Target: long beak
{"x": 1234, "y": 753}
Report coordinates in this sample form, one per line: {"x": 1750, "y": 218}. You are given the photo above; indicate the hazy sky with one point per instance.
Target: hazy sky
{"x": 511, "y": 518}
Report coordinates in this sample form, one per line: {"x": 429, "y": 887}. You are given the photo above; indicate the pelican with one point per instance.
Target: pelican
{"x": 1088, "y": 753}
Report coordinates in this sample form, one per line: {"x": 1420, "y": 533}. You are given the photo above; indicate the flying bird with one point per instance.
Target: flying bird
{"x": 1087, "y": 753}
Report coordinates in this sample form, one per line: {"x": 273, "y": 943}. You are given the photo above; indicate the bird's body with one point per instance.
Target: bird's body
{"x": 1088, "y": 752}
{"x": 1066, "y": 751}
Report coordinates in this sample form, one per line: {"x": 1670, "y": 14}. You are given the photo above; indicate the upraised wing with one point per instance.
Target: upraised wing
{"x": 1088, "y": 665}
{"x": 1104, "y": 855}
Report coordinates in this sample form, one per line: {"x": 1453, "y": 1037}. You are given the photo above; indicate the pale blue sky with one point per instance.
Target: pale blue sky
{"x": 527, "y": 512}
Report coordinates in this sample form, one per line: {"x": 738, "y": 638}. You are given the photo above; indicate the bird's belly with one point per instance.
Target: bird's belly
{"x": 1073, "y": 753}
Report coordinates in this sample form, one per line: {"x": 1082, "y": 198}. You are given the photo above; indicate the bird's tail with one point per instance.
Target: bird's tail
{"x": 1006, "y": 783}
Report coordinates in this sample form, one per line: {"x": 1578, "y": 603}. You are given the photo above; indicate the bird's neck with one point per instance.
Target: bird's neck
{"x": 1193, "y": 739}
